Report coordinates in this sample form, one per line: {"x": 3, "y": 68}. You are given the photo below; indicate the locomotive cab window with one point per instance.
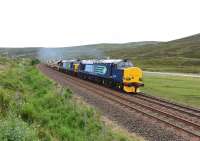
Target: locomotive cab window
{"x": 124, "y": 64}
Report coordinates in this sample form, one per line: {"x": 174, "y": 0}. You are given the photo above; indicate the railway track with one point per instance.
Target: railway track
{"x": 181, "y": 108}
{"x": 182, "y": 118}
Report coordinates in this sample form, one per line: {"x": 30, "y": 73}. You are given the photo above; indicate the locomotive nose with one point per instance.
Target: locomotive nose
{"x": 133, "y": 74}
{"x": 132, "y": 79}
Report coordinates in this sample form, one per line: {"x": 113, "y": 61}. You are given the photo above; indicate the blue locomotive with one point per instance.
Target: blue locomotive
{"x": 119, "y": 73}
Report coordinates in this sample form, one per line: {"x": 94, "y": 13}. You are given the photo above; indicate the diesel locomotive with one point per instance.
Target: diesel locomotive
{"x": 115, "y": 73}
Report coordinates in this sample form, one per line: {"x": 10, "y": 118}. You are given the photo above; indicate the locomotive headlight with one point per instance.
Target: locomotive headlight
{"x": 127, "y": 78}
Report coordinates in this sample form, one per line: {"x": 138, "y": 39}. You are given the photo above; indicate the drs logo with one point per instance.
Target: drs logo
{"x": 101, "y": 70}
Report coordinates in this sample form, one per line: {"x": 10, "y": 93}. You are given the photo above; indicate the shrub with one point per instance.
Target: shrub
{"x": 35, "y": 61}
{"x": 13, "y": 129}
{"x": 27, "y": 113}
{"x": 4, "y": 102}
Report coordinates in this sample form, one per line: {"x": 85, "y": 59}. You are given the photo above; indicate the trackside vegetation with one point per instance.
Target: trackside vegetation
{"x": 34, "y": 108}
{"x": 179, "y": 89}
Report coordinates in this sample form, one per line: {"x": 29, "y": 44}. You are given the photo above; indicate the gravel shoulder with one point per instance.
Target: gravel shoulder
{"x": 132, "y": 121}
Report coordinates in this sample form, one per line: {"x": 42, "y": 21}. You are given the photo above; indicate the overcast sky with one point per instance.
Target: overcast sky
{"x": 60, "y": 23}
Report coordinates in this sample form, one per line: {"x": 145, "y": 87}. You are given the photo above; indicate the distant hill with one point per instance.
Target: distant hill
{"x": 19, "y": 52}
{"x": 85, "y": 51}
{"x": 182, "y": 55}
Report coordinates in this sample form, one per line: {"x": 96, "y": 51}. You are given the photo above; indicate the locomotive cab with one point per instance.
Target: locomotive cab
{"x": 132, "y": 79}
{"x": 131, "y": 76}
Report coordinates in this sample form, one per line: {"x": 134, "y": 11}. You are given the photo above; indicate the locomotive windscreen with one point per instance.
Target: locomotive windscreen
{"x": 124, "y": 64}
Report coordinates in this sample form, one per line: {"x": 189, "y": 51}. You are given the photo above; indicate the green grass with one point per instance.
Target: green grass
{"x": 34, "y": 108}
{"x": 169, "y": 64}
{"x": 184, "y": 90}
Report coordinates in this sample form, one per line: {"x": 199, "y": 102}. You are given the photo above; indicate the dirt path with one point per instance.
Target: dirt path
{"x": 173, "y": 74}
{"x": 134, "y": 122}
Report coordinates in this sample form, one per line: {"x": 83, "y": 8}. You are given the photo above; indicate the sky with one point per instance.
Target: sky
{"x": 63, "y": 23}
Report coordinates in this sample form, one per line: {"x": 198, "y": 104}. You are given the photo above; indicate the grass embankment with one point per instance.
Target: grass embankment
{"x": 35, "y": 108}
{"x": 184, "y": 90}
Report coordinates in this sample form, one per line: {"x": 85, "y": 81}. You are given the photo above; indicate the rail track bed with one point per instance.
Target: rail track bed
{"x": 182, "y": 120}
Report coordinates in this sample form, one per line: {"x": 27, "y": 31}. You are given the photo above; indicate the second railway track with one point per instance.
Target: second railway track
{"x": 182, "y": 118}
{"x": 179, "y": 107}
